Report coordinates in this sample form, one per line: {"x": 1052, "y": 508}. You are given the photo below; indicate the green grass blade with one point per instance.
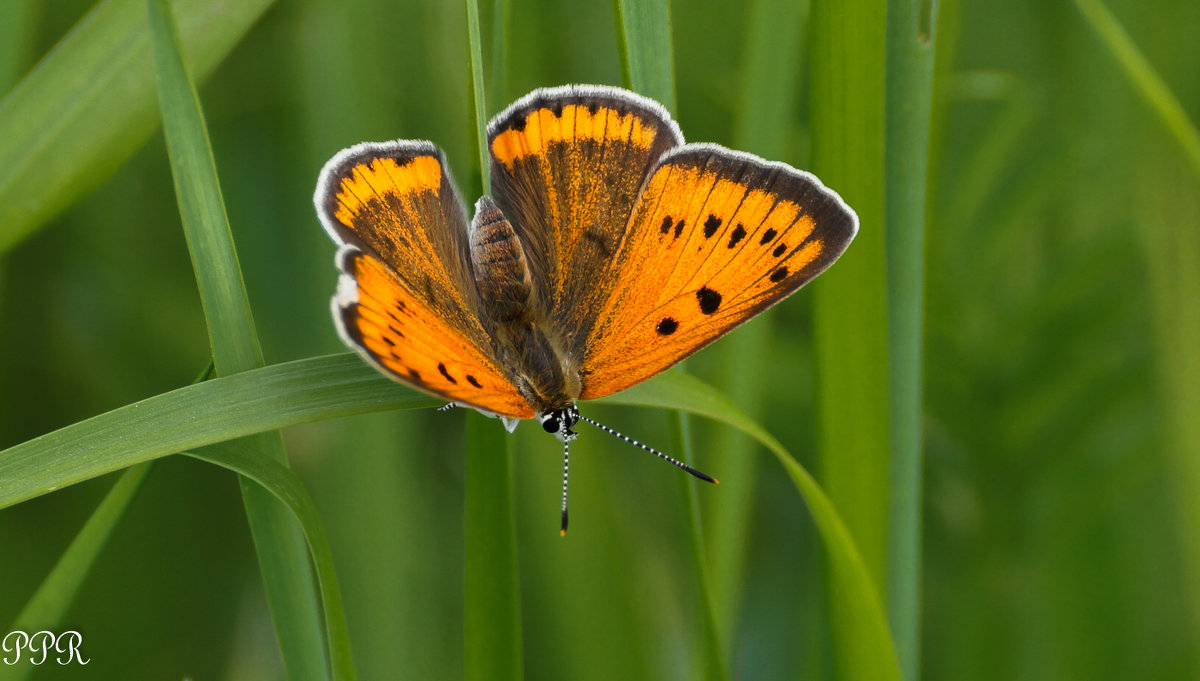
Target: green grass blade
{"x": 855, "y": 596}
{"x": 1146, "y": 81}
{"x": 909, "y": 105}
{"x": 714, "y": 656}
{"x": 286, "y": 487}
{"x": 287, "y": 574}
{"x": 94, "y": 96}
{"x": 770, "y": 78}
{"x": 219, "y": 276}
{"x": 846, "y": 102}
{"x": 647, "y": 57}
{"x": 280, "y": 395}
{"x": 220, "y": 409}
{"x": 492, "y": 639}
{"x": 479, "y": 97}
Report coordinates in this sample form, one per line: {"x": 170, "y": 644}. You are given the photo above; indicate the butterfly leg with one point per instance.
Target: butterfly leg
{"x": 447, "y": 406}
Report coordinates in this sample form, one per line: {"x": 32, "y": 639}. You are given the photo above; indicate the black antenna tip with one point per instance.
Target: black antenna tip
{"x": 563, "y": 532}
{"x": 673, "y": 461}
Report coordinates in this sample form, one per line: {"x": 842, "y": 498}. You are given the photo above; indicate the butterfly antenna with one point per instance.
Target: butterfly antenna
{"x": 566, "y": 462}
{"x": 673, "y": 461}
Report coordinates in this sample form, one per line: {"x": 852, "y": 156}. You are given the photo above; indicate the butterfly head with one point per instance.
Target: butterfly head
{"x": 558, "y": 422}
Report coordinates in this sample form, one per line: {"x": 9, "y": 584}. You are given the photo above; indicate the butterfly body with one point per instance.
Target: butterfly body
{"x": 608, "y": 251}
{"x": 525, "y": 337}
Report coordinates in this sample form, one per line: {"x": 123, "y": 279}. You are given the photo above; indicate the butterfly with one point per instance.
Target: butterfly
{"x": 608, "y": 251}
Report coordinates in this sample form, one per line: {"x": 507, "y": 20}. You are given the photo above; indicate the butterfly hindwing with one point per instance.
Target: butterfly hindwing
{"x": 716, "y": 237}
{"x": 407, "y": 299}
{"x": 566, "y": 167}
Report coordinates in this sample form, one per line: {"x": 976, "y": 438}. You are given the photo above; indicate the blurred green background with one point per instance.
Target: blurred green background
{"x": 1062, "y": 250}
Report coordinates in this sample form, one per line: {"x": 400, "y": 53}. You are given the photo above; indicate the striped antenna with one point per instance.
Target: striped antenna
{"x": 566, "y": 463}
{"x": 674, "y": 462}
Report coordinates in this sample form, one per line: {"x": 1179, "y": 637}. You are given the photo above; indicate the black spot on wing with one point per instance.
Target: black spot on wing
{"x": 711, "y": 225}
{"x": 710, "y": 300}
{"x": 779, "y": 250}
{"x": 779, "y": 274}
{"x": 678, "y": 228}
{"x": 738, "y": 234}
{"x": 415, "y": 375}
{"x": 666, "y": 225}
{"x": 471, "y": 379}
{"x": 667, "y": 326}
{"x": 442, "y": 371}
{"x": 767, "y": 236}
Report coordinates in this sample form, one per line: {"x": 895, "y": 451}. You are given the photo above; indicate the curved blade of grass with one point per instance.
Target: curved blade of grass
{"x": 90, "y": 104}
{"x": 286, "y": 487}
{"x": 1144, "y": 78}
{"x": 855, "y": 595}
{"x": 283, "y": 561}
{"x": 846, "y": 102}
{"x": 307, "y": 390}
{"x": 909, "y": 105}
{"x": 220, "y": 409}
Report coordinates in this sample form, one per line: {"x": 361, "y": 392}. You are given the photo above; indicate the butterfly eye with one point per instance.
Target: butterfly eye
{"x": 550, "y": 425}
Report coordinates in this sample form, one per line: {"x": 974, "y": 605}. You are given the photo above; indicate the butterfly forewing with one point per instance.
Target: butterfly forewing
{"x": 567, "y": 164}
{"x": 407, "y": 300}
{"x": 716, "y": 237}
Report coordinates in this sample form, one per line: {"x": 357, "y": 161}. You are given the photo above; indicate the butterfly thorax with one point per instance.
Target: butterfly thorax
{"x": 528, "y": 344}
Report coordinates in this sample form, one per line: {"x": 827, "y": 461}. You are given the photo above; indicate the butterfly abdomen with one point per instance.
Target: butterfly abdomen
{"x": 521, "y": 331}
{"x": 501, "y": 270}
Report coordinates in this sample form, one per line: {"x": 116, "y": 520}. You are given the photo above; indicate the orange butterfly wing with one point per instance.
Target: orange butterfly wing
{"x": 407, "y": 299}
{"x": 717, "y": 236}
{"x": 566, "y": 167}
